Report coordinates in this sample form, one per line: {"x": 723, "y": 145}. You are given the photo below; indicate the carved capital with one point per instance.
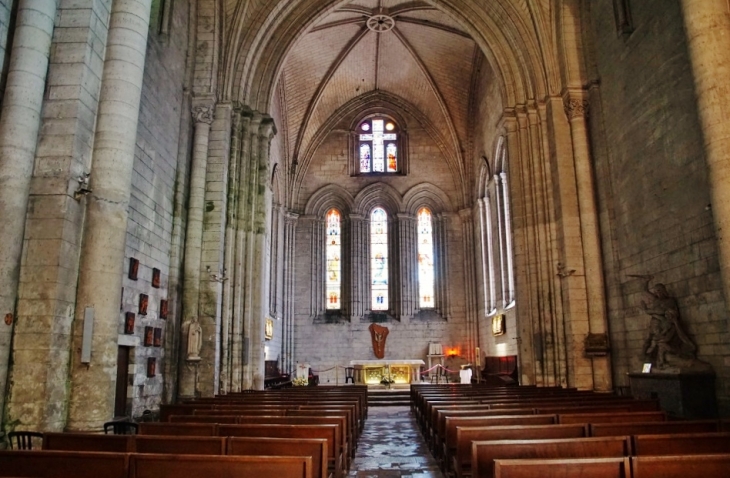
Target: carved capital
{"x": 575, "y": 108}
{"x": 203, "y": 114}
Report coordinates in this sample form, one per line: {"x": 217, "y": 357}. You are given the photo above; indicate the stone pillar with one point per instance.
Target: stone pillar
{"x": 408, "y": 265}
{"x": 470, "y": 302}
{"x": 19, "y": 123}
{"x": 261, "y": 259}
{"x": 576, "y": 108}
{"x": 290, "y": 244}
{"x": 707, "y": 24}
{"x": 319, "y": 267}
{"x": 105, "y": 230}
{"x": 203, "y": 118}
{"x": 360, "y": 272}
{"x": 487, "y": 248}
{"x": 440, "y": 243}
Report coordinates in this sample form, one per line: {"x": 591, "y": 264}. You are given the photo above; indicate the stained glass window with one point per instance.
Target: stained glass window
{"x": 379, "y": 259}
{"x": 425, "y": 259}
{"x": 334, "y": 264}
{"x": 378, "y": 148}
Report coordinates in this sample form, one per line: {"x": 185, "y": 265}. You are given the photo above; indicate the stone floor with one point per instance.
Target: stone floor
{"x": 391, "y": 446}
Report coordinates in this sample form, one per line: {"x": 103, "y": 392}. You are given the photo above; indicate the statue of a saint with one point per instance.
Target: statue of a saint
{"x": 195, "y": 341}
{"x": 665, "y": 340}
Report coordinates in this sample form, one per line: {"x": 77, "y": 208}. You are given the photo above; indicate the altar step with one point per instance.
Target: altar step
{"x": 389, "y": 398}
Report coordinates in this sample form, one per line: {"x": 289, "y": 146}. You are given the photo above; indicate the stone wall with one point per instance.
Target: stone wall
{"x": 653, "y": 186}
{"x": 5, "y": 15}
{"x": 149, "y": 227}
{"x": 325, "y": 345}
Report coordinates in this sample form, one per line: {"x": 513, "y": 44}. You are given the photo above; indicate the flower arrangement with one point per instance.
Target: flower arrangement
{"x": 386, "y": 380}
{"x": 300, "y": 382}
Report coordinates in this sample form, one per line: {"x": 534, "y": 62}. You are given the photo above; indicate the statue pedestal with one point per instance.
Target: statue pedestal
{"x": 686, "y": 395}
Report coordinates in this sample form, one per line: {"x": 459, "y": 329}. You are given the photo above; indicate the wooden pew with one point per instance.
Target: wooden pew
{"x": 180, "y": 445}
{"x": 316, "y": 448}
{"x": 179, "y": 429}
{"x": 202, "y": 466}
{"x": 682, "y": 444}
{"x": 485, "y": 452}
{"x": 573, "y": 468}
{"x": 88, "y": 442}
{"x": 621, "y": 417}
{"x": 651, "y": 428}
{"x": 328, "y": 432}
{"x": 680, "y": 466}
{"x": 461, "y": 463}
{"x": 64, "y": 464}
{"x": 449, "y": 439}
{"x": 222, "y": 419}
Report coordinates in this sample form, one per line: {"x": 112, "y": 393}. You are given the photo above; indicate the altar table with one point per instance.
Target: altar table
{"x": 401, "y": 371}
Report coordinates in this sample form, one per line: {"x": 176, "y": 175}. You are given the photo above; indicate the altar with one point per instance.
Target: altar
{"x": 401, "y": 371}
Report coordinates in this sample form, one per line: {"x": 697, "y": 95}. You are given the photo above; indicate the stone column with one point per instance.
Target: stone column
{"x": 440, "y": 243}
{"x": 576, "y": 108}
{"x": 707, "y": 24}
{"x": 105, "y": 231}
{"x": 203, "y": 118}
{"x": 470, "y": 298}
{"x": 290, "y": 244}
{"x": 485, "y": 220}
{"x": 358, "y": 256}
{"x": 19, "y": 123}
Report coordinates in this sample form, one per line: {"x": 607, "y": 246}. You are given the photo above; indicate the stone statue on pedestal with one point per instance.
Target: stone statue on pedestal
{"x": 195, "y": 341}
{"x": 666, "y": 344}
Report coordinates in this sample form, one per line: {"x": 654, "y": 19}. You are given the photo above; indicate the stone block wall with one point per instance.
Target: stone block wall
{"x": 149, "y": 227}
{"x": 6, "y": 7}
{"x": 325, "y": 346}
{"x": 653, "y": 186}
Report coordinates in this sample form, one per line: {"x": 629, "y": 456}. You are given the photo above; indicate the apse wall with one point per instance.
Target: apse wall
{"x": 653, "y": 186}
{"x": 151, "y": 209}
{"x": 326, "y": 345}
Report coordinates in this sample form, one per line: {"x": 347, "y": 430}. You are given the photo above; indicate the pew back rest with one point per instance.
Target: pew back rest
{"x": 180, "y": 445}
{"x": 619, "y": 417}
{"x": 499, "y": 420}
{"x": 680, "y": 466}
{"x": 573, "y": 468}
{"x": 485, "y": 452}
{"x": 179, "y": 429}
{"x": 466, "y": 435}
{"x": 443, "y": 414}
{"x": 285, "y": 431}
{"x": 64, "y": 464}
{"x": 229, "y": 419}
{"x": 651, "y": 428}
{"x": 201, "y": 466}
{"x": 88, "y": 442}
{"x": 682, "y": 444}
{"x": 314, "y": 447}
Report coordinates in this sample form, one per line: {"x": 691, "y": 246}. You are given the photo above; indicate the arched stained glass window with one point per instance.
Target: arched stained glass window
{"x": 426, "y": 277}
{"x": 379, "y": 259}
{"x": 333, "y": 247}
{"x": 378, "y": 146}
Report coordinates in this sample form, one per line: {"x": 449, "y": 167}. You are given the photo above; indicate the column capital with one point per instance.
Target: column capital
{"x": 575, "y": 103}
{"x": 203, "y": 113}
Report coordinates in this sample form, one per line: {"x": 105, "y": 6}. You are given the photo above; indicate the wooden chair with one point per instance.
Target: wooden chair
{"x": 350, "y": 374}
{"x": 23, "y": 440}
{"x": 121, "y": 427}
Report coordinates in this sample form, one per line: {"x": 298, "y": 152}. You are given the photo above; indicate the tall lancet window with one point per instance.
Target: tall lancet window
{"x": 425, "y": 259}
{"x": 333, "y": 247}
{"x": 379, "y": 259}
{"x": 378, "y": 146}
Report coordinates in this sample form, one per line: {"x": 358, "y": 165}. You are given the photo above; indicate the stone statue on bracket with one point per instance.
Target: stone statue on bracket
{"x": 378, "y": 334}
{"x": 666, "y": 345}
{"x": 195, "y": 341}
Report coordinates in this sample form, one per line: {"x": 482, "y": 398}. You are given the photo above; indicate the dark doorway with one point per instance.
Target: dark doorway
{"x": 120, "y": 399}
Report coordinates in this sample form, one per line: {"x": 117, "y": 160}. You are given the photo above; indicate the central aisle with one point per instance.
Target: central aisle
{"x": 391, "y": 446}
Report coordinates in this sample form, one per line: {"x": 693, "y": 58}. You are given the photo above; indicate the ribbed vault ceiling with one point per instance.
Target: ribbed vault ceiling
{"x": 425, "y": 58}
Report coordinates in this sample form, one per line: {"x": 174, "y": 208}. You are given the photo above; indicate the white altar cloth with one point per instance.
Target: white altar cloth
{"x": 361, "y": 367}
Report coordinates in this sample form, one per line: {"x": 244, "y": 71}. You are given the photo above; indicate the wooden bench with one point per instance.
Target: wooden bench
{"x": 680, "y": 466}
{"x": 179, "y": 429}
{"x": 180, "y": 445}
{"x": 202, "y": 466}
{"x": 88, "y": 442}
{"x": 573, "y": 468}
{"x": 485, "y": 452}
{"x": 620, "y": 417}
{"x": 651, "y": 428}
{"x": 461, "y": 463}
{"x": 64, "y": 464}
{"x": 682, "y": 444}
{"x": 316, "y": 448}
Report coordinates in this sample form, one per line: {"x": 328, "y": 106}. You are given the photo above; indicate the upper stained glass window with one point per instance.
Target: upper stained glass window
{"x": 379, "y": 259}
{"x": 426, "y": 277}
{"x": 378, "y": 146}
{"x": 334, "y": 264}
